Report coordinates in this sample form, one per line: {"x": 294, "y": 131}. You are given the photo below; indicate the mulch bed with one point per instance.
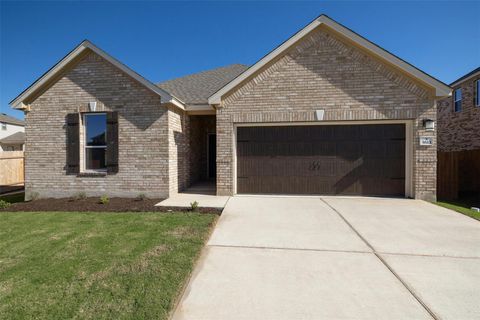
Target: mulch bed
{"x": 94, "y": 205}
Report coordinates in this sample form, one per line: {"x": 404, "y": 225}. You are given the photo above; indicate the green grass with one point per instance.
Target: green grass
{"x": 13, "y": 198}
{"x": 460, "y": 207}
{"x": 96, "y": 265}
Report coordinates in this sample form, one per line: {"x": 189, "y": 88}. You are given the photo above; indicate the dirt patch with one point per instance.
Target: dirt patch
{"x": 94, "y": 205}
{"x": 157, "y": 251}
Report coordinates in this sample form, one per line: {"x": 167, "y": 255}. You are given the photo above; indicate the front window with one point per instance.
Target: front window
{"x": 477, "y": 93}
{"x": 4, "y": 126}
{"x": 457, "y": 100}
{"x": 95, "y": 141}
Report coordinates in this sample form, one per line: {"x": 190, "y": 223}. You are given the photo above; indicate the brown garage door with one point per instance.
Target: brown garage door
{"x": 323, "y": 159}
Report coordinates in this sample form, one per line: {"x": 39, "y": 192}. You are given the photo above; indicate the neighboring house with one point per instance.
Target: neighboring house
{"x": 459, "y": 115}
{"x": 326, "y": 112}
{"x": 459, "y": 139}
{"x": 12, "y": 137}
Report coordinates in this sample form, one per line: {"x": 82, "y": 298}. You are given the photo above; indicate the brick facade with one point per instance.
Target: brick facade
{"x": 459, "y": 131}
{"x": 143, "y": 129}
{"x": 162, "y": 149}
{"x": 179, "y": 150}
{"x": 324, "y": 72}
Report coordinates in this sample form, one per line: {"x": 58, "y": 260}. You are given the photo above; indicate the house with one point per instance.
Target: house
{"x": 459, "y": 138}
{"x": 12, "y": 137}
{"x": 326, "y": 112}
{"x": 459, "y": 115}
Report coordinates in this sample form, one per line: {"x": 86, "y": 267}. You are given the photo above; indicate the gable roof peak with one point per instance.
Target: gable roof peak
{"x": 18, "y": 102}
{"x": 440, "y": 88}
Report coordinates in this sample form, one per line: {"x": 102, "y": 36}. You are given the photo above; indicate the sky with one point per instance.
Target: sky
{"x": 163, "y": 40}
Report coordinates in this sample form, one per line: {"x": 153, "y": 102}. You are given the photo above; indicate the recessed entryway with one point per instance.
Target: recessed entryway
{"x": 212, "y": 156}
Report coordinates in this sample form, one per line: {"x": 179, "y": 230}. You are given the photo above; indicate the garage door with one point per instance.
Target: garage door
{"x": 322, "y": 159}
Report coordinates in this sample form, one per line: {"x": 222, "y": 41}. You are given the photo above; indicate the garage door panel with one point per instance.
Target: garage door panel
{"x": 331, "y": 159}
{"x": 394, "y": 148}
{"x": 284, "y": 166}
{"x": 374, "y": 149}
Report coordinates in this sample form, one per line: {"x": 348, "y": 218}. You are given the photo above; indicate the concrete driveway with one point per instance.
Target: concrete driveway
{"x": 279, "y": 258}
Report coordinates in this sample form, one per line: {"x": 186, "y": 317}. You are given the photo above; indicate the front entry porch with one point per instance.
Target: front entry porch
{"x": 203, "y": 192}
{"x": 199, "y": 160}
{"x": 202, "y": 153}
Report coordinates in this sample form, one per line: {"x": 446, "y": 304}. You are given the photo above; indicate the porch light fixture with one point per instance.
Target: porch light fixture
{"x": 429, "y": 124}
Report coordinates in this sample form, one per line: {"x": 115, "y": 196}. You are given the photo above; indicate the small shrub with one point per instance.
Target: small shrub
{"x": 194, "y": 206}
{"x": 141, "y": 197}
{"x": 80, "y": 196}
{"x": 4, "y": 204}
{"x": 104, "y": 199}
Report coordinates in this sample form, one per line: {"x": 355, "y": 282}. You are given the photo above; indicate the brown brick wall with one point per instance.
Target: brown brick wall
{"x": 143, "y": 131}
{"x": 459, "y": 130}
{"x": 323, "y": 72}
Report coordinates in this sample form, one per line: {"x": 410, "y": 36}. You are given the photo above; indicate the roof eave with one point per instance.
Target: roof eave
{"x": 18, "y": 102}
{"x": 441, "y": 89}
{"x": 466, "y": 77}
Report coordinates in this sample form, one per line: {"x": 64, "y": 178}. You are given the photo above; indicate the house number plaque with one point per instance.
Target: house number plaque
{"x": 426, "y": 141}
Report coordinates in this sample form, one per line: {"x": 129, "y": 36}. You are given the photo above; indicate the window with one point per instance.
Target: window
{"x": 95, "y": 141}
{"x": 477, "y": 93}
{"x": 4, "y": 126}
{"x": 457, "y": 100}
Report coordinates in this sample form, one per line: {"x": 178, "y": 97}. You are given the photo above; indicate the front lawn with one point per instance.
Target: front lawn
{"x": 461, "y": 207}
{"x": 58, "y": 265}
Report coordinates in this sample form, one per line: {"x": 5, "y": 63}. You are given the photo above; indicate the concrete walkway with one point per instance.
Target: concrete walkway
{"x": 336, "y": 258}
{"x": 204, "y": 193}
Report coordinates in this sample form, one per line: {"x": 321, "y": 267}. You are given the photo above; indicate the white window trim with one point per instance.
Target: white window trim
{"x": 4, "y": 126}
{"x": 455, "y": 100}
{"x": 85, "y": 147}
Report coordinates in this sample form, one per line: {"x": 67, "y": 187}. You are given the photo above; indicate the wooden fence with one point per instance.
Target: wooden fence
{"x": 11, "y": 170}
{"x": 458, "y": 173}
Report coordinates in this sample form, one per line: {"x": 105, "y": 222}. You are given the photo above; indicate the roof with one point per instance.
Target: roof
{"x": 4, "y": 118}
{"x": 441, "y": 89}
{"x": 16, "y": 138}
{"x": 465, "y": 77}
{"x": 196, "y": 88}
{"x": 18, "y": 102}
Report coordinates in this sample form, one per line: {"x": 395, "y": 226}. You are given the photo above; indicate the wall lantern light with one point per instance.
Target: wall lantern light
{"x": 429, "y": 124}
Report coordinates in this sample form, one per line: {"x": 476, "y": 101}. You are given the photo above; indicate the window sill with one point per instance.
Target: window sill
{"x": 92, "y": 174}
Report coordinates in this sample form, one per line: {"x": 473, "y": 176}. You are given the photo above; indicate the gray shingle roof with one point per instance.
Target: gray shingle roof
{"x": 196, "y": 88}
{"x": 16, "y": 138}
{"x": 4, "y": 118}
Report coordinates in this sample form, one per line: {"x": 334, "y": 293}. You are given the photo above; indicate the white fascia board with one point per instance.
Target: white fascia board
{"x": 216, "y": 98}
{"x": 17, "y": 103}
{"x": 441, "y": 89}
{"x": 200, "y": 109}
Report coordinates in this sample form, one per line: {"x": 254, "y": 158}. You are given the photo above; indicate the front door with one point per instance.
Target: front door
{"x": 212, "y": 156}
